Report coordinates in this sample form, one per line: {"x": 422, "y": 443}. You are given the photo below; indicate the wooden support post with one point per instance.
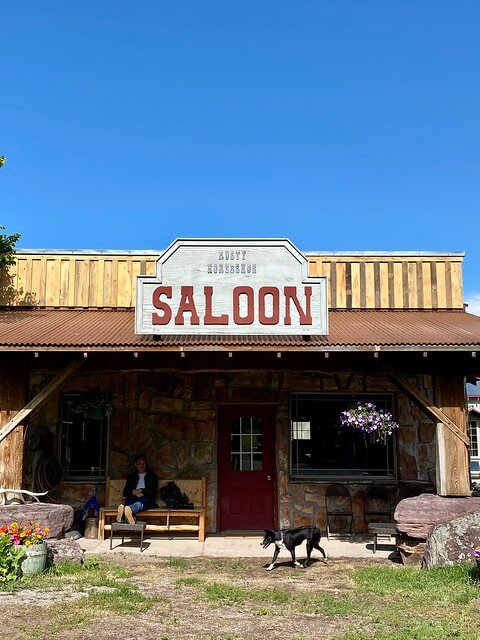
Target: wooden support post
{"x": 13, "y": 394}
{"x": 453, "y": 474}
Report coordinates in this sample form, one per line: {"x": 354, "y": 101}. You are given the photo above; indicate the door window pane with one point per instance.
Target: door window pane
{"x": 246, "y": 443}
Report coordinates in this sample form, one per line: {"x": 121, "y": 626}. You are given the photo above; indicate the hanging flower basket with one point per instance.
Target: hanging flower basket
{"x": 368, "y": 418}
{"x": 96, "y": 405}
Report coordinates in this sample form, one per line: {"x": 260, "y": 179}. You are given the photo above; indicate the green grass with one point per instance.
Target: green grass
{"x": 177, "y": 563}
{"x": 416, "y": 631}
{"x": 226, "y": 594}
{"x": 188, "y": 582}
{"x": 386, "y": 603}
{"x": 448, "y": 585}
{"x": 411, "y": 604}
{"x": 104, "y": 587}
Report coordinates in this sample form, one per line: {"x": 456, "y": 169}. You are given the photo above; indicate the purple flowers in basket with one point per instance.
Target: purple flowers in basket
{"x": 368, "y": 418}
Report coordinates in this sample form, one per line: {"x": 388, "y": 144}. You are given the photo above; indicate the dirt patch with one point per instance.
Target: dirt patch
{"x": 197, "y": 599}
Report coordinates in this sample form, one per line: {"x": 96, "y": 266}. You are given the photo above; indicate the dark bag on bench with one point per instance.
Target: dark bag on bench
{"x": 173, "y": 497}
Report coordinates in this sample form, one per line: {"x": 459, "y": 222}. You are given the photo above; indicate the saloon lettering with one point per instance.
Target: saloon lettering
{"x": 268, "y": 305}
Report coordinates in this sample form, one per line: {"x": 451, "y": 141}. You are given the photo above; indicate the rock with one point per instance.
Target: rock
{"x": 417, "y": 516}
{"x": 59, "y": 551}
{"x": 58, "y": 517}
{"x": 411, "y": 551}
{"x": 452, "y": 542}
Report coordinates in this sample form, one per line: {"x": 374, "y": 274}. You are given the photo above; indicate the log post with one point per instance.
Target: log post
{"x": 13, "y": 396}
{"x": 453, "y": 473}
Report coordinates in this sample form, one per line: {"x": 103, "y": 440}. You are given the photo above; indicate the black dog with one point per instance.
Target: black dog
{"x": 291, "y": 538}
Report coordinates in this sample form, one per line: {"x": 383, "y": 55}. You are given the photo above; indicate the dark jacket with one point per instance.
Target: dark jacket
{"x": 151, "y": 485}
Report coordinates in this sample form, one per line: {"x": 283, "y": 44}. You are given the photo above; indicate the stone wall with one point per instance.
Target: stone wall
{"x": 171, "y": 416}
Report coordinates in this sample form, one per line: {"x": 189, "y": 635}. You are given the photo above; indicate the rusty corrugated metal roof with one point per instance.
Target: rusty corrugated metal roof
{"x": 113, "y": 330}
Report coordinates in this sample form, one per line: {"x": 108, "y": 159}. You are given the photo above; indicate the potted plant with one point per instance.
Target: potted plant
{"x": 368, "y": 418}
{"x": 23, "y": 546}
{"x": 96, "y": 404}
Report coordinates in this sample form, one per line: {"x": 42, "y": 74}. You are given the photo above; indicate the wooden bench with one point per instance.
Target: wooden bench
{"x": 160, "y": 519}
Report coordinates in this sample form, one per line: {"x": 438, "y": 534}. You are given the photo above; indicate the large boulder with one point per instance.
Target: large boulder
{"x": 452, "y": 542}
{"x": 58, "y": 517}
{"x": 436, "y": 531}
{"x": 416, "y": 517}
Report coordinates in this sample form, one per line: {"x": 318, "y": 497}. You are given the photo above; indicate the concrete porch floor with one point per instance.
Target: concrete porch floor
{"x": 234, "y": 546}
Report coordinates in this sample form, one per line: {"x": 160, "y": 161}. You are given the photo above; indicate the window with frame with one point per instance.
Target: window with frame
{"x": 474, "y": 429}
{"x": 83, "y": 439}
{"x": 321, "y": 447}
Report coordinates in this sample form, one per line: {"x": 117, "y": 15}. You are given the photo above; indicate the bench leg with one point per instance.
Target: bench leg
{"x": 101, "y": 526}
{"x": 201, "y": 527}
{"x": 375, "y": 543}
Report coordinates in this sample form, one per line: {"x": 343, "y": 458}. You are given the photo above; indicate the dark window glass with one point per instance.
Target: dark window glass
{"x": 320, "y": 446}
{"x": 83, "y": 440}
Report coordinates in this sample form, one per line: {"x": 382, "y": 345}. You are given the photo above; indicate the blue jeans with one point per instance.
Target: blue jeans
{"x": 137, "y": 504}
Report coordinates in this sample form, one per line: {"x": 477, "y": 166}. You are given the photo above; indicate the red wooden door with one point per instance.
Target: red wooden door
{"x": 246, "y": 467}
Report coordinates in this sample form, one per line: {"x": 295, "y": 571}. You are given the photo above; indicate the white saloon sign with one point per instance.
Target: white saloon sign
{"x": 231, "y": 286}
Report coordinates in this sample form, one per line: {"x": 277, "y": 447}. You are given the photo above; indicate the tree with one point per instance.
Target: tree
{"x": 7, "y": 243}
{"x": 7, "y": 248}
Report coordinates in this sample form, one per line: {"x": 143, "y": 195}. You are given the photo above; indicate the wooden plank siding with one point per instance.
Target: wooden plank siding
{"x": 354, "y": 282}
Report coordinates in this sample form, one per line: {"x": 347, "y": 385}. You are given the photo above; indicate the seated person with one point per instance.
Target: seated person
{"x": 139, "y": 492}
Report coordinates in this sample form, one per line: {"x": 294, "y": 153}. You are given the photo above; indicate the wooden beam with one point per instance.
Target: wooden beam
{"x": 40, "y": 398}
{"x": 437, "y": 414}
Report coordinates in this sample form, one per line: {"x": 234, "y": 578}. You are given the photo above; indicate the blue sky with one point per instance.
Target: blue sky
{"x": 342, "y": 125}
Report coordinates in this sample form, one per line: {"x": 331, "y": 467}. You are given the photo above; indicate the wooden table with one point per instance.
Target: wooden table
{"x": 382, "y": 529}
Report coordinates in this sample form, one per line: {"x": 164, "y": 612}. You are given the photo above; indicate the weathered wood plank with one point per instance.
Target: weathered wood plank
{"x": 64, "y": 282}
{"x": 124, "y": 284}
{"x": 52, "y": 283}
{"x": 355, "y": 281}
{"x": 369, "y": 285}
{"x": 427, "y": 284}
{"x": 412, "y": 286}
{"x": 341, "y": 285}
{"x": 441, "y": 284}
{"x": 384, "y": 286}
{"x": 457, "y": 289}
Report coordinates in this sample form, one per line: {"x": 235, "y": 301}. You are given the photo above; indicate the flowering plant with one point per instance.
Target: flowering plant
{"x": 96, "y": 401}
{"x": 368, "y": 418}
{"x": 476, "y": 552}
{"x": 24, "y": 534}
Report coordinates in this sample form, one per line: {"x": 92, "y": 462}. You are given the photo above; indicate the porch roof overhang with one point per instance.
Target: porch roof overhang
{"x": 112, "y": 330}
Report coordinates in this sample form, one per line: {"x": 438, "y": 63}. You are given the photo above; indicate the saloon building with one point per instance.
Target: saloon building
{"x": 233, "y": 360}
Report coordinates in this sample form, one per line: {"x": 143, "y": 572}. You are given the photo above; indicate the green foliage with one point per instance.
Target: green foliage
{"x": 7, "y": 248}
{"x": 3, "y": 160}
{"x": 10, "y": 557}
